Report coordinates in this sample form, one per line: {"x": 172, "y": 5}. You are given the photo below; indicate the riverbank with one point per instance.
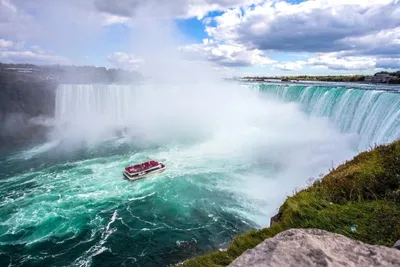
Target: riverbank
{"x": 359, "y": 199}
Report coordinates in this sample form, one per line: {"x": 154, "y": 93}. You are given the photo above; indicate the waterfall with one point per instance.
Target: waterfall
{"x": 110, "y": 103}
{"x": 372, "y": 114}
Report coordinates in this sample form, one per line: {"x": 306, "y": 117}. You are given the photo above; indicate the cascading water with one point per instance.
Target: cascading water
{"x": 373, "y": 114}
{"x": 232, "y": 155}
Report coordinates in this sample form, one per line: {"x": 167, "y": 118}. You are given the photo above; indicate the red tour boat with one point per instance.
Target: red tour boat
{"x": 138, "y": 171}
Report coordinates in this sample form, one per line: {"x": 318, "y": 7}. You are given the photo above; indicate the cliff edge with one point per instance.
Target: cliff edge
{"x": 316, "y": 248}
{"x": 360, "y": 200}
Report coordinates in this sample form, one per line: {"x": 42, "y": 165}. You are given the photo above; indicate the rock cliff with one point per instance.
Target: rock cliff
{"x": 25, "y": 103}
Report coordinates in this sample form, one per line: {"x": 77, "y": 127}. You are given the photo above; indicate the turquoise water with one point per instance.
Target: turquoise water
{"x": 77, "y": 210}
{"x": 231, "y": 159}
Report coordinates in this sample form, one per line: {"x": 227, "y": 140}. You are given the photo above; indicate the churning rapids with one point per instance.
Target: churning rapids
{"x": 232, "y": 156}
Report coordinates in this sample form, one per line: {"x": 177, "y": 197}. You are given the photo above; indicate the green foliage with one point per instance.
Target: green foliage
{"x": 397, "y": 73}
{"x": 370, "y": 176}
{"x": 329, "y": 78}
{"x": 336, "y": 78}
{"x": 363, "y": 193}
{"x": 395, "y": 81}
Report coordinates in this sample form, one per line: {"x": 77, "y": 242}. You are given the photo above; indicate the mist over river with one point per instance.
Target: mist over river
{"x": 233, "y": 153}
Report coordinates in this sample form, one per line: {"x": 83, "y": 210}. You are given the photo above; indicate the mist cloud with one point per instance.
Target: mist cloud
{"x": 171, "y": 9}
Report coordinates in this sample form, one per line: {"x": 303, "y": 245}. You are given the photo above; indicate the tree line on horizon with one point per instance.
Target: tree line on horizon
{"x": 71, "y": 73}
{"x": 92, "y": 74}
{"x": 330, "y": 78}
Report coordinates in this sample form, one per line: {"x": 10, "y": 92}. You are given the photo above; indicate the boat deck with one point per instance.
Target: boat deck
{"x": 143, "y": 170}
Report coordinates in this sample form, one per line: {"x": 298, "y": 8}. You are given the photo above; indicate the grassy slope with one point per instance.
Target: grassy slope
{"x": 364, "y": 192}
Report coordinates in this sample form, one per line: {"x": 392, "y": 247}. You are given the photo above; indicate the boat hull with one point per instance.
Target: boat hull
{"x": 138, "y": 177}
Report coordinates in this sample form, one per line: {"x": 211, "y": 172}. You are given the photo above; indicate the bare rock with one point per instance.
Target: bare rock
{"x": 275, "y": 219}
{"x": 397, "y": 244}
{"x": 314, "y": 247}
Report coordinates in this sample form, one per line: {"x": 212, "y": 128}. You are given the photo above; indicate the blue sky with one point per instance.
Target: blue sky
{"x": 237, "y": 37}
{"x": 193, "y": 28}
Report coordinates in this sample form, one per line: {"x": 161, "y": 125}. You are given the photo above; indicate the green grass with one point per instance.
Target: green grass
{"x": 363, "y": 192}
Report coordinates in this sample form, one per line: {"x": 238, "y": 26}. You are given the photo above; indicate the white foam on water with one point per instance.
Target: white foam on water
{"x": 36, "y": 150}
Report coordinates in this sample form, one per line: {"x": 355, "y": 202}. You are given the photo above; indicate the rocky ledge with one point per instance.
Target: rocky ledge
{"x": 315, "y": 247}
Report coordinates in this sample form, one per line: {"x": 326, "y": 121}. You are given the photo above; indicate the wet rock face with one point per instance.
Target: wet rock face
{"x": 25, "y": 102}
{"x": 314, "y": 247}
{"x": 275, "y": 219}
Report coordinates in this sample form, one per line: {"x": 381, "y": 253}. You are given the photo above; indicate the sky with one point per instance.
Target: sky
{"x": 237, "y": 37}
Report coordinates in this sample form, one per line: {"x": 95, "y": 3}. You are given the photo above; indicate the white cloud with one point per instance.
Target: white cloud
{"x": 7, "y": 11}
{"x": 290, "y": 66}
{"x": 346, "y": 34}
{"x": 310, "y": 26}
{"x": 233, "y": 55}
{"x": 225, "y": 72}
{"x": 388, "y": 63}
{"x": 31, "y": 57}
{"x": 171, "y": 9}
{"x": 5, "y": 44}
{"x": 124, "y": 60}
{"x": 15, "y": 52}
{"x": 333, "y": 62}
{"x": 227, "y": 24}
{"x": 37, "y": 49}
{"x": 66, "y": 25}
{"x": 14, "y": 23}
{"x": 114, "y": 19}
{"x": 384, "y": 43}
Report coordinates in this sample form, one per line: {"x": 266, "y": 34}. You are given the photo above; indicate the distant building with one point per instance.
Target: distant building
{"x": 379, "y": 78}
{"x": 23, "y": 70}
{"x": 53, "y": 77}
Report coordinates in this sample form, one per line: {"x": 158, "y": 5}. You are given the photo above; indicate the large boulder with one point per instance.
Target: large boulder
{"x": 314, "y": 247}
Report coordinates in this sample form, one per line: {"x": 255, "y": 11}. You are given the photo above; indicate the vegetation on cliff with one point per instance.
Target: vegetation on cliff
{"x": 326, "y": 78}
{"x": 393, "y": 78}
{"x": 359, "y": 199}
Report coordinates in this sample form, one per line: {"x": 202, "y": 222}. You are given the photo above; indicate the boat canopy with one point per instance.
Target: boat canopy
{"x": 142, "y": 166}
